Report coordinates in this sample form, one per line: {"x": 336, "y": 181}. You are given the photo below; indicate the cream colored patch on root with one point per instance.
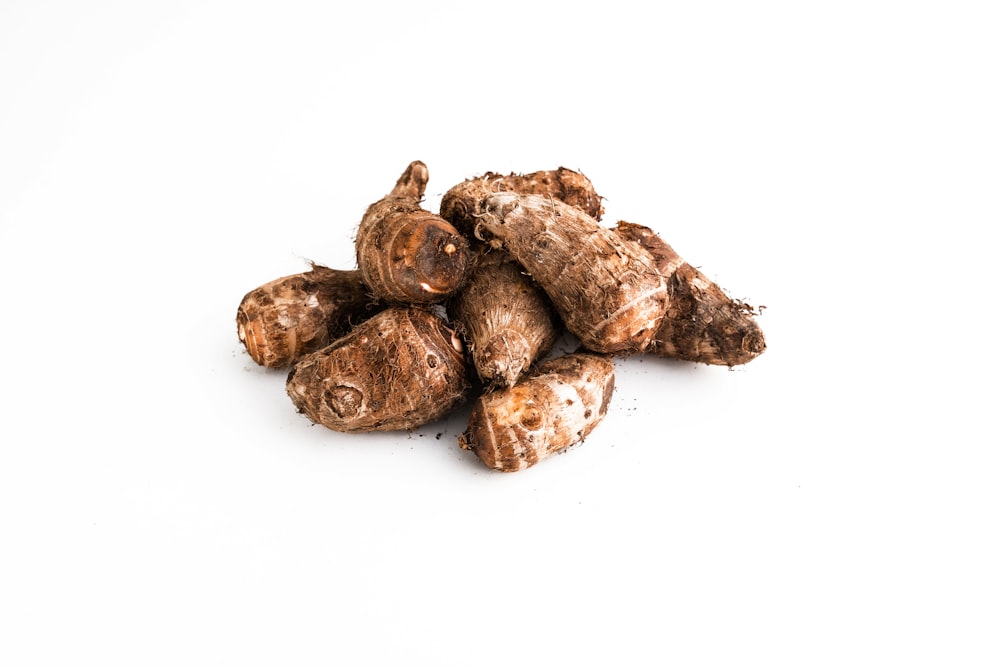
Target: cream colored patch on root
{"x": 430, "y": 290}
{"x": 645, "y": 296}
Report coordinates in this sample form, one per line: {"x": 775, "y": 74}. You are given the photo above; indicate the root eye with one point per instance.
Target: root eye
{"x": 344, "y": 401}
{"x": 531, "y": 419}
{"x": 432, "y": 361}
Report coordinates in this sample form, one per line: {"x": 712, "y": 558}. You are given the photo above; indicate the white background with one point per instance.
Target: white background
{"x": 833, "y": 502}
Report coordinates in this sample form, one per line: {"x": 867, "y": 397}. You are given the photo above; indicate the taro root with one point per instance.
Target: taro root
{"x": 605, "y": 287}
{"x": 506, "y": 320}
{"x": 462, "y": 204}
{"x": 702, "y": 324}
{"x": 511, "y": 260}
{"x": 407, "y": 254}
{"x": 556, "y": 406}
{"x": 399, "y": 369}
{"x": 287, "y": 318}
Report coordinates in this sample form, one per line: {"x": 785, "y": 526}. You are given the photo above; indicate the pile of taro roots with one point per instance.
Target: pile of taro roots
{"x": 467, "y": 304}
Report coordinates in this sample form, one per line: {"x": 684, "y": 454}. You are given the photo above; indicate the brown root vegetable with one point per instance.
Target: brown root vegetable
{"x": 555, "y": 407}
{"x": 462, "y": 204}
{"x": 506, "y": 320}
{"x": 287, "y": 318}
{"x": 400, "y": 369}
{"x": 702, "y": 324}
{"x": 605, "y": 287}
{"x": 407, "y": 254}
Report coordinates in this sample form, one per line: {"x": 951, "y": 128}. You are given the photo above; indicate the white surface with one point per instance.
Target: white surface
{"x": 834, "y": 502}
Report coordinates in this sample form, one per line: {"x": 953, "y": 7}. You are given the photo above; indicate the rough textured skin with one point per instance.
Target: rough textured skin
{"x": 703, "y": 324}
{"x": 463, "y": 203}
{"x": 287, "y": 318}
{"x": 506, "y": 320}
{"x": 555, "y": 407}
{"x": 405, "y": 253}
{"x": 398, "y": 370}
{"x": 605, "y": 287}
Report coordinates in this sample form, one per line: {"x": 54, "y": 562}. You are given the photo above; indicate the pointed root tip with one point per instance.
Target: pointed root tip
{"x": 413, "y": 181}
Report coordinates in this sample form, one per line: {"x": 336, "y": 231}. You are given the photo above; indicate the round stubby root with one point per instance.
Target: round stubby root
{"x": 398, "y": 370}
{"x": 506, "y": 319}
{"x": 555, "y": 407}
{"x": 285, "y": 319}
{"x": 405, "y": 253}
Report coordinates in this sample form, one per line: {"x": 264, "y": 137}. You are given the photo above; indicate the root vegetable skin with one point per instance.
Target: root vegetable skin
{"x": 400, "y": 369}
{"x": 462, "y": 204}
{"x": 405, "y": 253}
{"x": 287, "y": 318}
{"x": 506, "y": 320}
{"x": 557, "y": 406}
{"x": 604, "y": 286}
{"x": 702, "y": 324}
